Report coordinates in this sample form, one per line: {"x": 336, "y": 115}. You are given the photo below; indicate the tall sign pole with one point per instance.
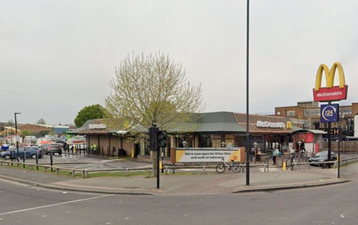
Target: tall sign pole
{"x": 330, "y": 112}
{"x": 247, "y": 96}
{"x": 339, "y": 151}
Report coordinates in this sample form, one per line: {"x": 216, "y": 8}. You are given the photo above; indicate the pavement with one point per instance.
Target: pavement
{"x": 190, "y": 183}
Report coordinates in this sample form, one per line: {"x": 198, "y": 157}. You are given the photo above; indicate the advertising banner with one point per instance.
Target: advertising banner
{"x": 207, "y": 155}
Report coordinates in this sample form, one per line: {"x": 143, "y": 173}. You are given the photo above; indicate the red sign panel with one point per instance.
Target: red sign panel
{"x": 334, "y": 93}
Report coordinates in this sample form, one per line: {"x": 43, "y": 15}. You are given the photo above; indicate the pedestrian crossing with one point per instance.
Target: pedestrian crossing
{"x": 270, "y": 169}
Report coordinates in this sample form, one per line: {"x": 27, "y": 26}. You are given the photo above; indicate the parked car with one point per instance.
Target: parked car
{"x": 322, "y": 157}
{"x": 52, "y": 148}
{"x": 30, "y": 152}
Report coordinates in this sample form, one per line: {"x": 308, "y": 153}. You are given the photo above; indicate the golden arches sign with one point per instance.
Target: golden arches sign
{"x": 330, "y": 92}
{"x": 330, "y": 73}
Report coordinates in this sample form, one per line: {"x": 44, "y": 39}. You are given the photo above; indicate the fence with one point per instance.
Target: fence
{"x": 74, "y": 172}
{"x": 346, "y": 146}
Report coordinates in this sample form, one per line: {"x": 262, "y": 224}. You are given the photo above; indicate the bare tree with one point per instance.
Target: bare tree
{"x": 153, "y": 89}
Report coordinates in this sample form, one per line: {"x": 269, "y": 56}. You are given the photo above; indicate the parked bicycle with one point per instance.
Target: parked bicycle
{"x": 221, "y": 167}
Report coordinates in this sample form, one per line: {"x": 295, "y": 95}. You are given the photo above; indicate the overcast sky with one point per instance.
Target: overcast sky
{"x": 57, "y": 57}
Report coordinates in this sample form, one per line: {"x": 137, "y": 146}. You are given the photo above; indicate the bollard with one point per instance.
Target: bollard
{"x": 73, "y": 173}
{"x": 166, "y": 169}
{"x": 204, "y": 169}
{"x": 284, "y": 166}
{"x": 51, "y": 161}
{"x": 23, "y": 158}
{"x": 83, "y": 174}
{"x": 127, "y": 172}
{"x": 37, "y": 161}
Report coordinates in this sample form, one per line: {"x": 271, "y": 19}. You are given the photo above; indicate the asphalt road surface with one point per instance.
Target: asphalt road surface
{"x": 21, "y": 204}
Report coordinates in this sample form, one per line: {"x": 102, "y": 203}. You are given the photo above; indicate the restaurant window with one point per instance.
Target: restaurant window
{"x": 189, "y": 140}
{"x": 205, "y": 141}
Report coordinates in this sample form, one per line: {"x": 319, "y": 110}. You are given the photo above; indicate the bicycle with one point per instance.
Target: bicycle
{"x": 221, "y": 167}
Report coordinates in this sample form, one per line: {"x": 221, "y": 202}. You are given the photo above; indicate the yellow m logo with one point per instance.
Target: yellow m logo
{"x": 330, "y": 75}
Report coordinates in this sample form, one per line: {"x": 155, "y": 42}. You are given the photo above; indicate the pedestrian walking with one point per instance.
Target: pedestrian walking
{"x": 292, "y": 156}
{"x": 275, "y": 153}
{"x": 94, "y": 148}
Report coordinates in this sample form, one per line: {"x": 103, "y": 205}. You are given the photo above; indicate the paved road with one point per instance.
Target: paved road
{"x": 325, "y": 205}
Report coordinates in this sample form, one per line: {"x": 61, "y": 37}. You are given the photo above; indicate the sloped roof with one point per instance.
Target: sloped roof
{"x": 85, "y": 129}
{"x": 218, "y": 122}
{"x": 80, "y": 129}
{"x": 205, "y": 122}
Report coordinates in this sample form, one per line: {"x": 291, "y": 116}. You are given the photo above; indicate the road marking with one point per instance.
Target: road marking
{"x": 270, "y": 169}
{"x": 57, "y": 204}
{"x": 13, "y": 182}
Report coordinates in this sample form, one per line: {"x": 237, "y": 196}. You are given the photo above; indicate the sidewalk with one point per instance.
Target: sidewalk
{"x": 191, "y": 184}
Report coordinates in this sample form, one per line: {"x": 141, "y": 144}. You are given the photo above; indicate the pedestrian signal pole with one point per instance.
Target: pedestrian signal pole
{"x": 153, "y": 131}
{"x": 158, "y": 139}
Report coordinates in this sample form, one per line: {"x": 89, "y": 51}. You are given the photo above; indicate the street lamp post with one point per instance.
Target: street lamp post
{"x": 17, "y": 140}
{"x": 247, "y": 95}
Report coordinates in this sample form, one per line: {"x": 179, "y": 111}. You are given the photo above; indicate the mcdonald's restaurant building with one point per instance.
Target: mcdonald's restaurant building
{"x": 212, "y": 130}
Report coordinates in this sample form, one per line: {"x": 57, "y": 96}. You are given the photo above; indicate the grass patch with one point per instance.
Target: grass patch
{"x": 119, "y": 174}
{"x": 69, "y": 173}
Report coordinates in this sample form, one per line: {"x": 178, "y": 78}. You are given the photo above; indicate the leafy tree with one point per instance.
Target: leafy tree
{"x": 44, "y": 132}
{"x": 41, "y": 121}
{"x": 152, "y": 89}
{"x": 89, "y": 113}
{"x": 25, "y": 133}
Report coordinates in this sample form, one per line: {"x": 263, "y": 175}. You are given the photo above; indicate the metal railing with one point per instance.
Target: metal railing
{"x": 73, "y": 171}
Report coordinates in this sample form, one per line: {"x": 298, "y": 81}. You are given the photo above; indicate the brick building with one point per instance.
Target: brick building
{"x": 307, "y": 115}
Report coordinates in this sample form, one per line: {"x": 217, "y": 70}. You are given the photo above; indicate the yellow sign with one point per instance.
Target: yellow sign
{"x": 330, "y": 73}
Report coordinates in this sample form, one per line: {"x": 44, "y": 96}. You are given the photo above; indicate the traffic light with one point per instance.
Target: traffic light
{"x": 161, "y": 138}
{"x": 153, "y": 138}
